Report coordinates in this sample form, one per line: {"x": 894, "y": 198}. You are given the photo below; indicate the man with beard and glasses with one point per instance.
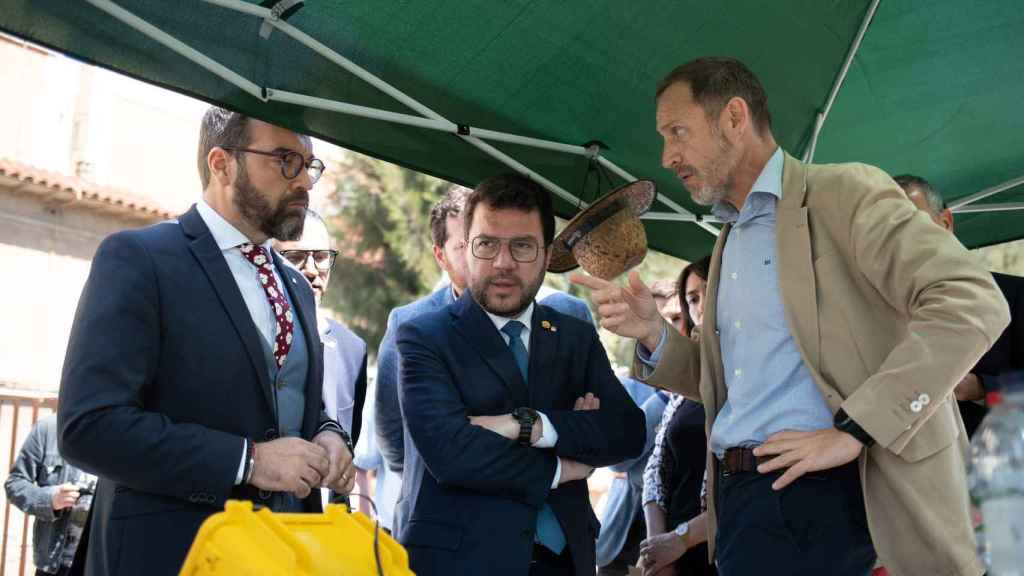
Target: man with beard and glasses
{"x": 449, "y": 246}
{"x": 838, "y": 321}
{"x": 194, "y": 370}
{"x": 509, "y": 405}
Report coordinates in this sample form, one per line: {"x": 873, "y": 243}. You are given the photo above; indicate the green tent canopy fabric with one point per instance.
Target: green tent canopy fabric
{"x": 933, "y": 89}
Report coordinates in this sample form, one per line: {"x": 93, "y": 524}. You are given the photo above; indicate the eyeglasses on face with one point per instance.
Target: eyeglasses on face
{"x": 523, "y": 250}
{"x": 323, "y": 260}
{"x": 292, "y": 163}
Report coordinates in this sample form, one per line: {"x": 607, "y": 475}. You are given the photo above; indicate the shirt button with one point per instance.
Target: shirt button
{"x": 738, "y": 372}
{"x": 733, "y": 275}
{"x": 915, "y": 406}
{"x": 737, "y": 324}
{"x": 924, "y": 399}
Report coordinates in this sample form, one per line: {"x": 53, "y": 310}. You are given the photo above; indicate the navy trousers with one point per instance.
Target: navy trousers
{"x": 814, "y": 526}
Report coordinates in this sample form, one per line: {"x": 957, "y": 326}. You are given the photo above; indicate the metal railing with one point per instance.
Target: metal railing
{"x": 18, "y": 412}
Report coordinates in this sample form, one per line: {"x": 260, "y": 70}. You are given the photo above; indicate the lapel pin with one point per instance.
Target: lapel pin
{"x": 548, "y": 326}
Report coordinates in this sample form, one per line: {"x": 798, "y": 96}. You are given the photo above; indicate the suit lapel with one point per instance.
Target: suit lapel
{"x": 473, "y": 324}
{"x": 307, "y": 317}
{"x": 709, "y": 334}
{"x": 216, "y": 268}
{"x": 796, "y": 263}
{"x": 543, "y": 349}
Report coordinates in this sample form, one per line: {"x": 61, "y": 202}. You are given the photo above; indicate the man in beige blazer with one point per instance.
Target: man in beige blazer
{"x": 878, "y": 313}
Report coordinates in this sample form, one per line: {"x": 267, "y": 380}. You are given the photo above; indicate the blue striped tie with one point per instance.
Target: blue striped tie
{"x": 549, "y": 531}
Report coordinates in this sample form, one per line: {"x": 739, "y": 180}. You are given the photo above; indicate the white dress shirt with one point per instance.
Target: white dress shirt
{"x": 228, "y": 239}
{"x": 549, "y": 436}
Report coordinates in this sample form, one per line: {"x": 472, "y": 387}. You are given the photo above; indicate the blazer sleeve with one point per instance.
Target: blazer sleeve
{"x": 112, "y": 358}
{"x": 360, "y": 400}
{"x": 678, "y": 369}
{"x": 611, "y": 434}
{"x": 455, "y": 452}
{"x": 954, "y": 309}
{"x": 387, "y": 412}
{"x": 21, "y": 485}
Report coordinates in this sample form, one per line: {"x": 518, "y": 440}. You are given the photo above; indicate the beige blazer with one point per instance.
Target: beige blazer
{"x": 889, "y": 312}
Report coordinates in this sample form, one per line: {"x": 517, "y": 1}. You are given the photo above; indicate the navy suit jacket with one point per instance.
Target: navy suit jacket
{"x": 387, "y": 415}
{"x": 1007, "y": 353}
{"x": 474, "y": 495}
{"x": 164, "y": 376}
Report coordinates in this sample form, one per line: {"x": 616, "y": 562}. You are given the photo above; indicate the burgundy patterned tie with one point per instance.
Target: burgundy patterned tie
{"x": 259, "y": 258}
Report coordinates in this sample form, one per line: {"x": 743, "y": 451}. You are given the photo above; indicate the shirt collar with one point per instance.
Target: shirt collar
{"x": 525, "y": 318}
{"x": 769, "y": 181}
{"x": 224, "y": 233}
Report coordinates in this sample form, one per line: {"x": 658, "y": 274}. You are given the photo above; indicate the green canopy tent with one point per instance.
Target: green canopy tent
{"x": 463, "y": 90}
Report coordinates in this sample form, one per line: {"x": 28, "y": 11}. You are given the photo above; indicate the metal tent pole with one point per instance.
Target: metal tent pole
{"x": 819, "y": 120}
{"x": 960, "y": 205}
{"x": 1005, "y": 207}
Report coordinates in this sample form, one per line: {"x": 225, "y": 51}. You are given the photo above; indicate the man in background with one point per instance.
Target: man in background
{"x": 57, "y": 494}
{"x": 313, "y": 255}
{"x": 1007, "y": 354}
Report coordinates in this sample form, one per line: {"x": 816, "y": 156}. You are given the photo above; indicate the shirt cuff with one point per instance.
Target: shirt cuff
{"x": 548, "y": 437}
{"x": 558, "y": 473}
{"x": 651, "y": 359}
{"x": 241, "y": 465}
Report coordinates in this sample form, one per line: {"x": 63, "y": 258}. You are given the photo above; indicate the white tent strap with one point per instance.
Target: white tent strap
{"x": 820, "y": 117}
{"x": 958, "y": 205}
{"x": 467, "y": 132}
{"x": 1005, "y": 207}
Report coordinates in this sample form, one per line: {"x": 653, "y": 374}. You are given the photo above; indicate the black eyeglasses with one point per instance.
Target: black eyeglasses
{"x": 322, "y": 259}
{"x": 292, "y": 163}
{"x": 523, "y": 250}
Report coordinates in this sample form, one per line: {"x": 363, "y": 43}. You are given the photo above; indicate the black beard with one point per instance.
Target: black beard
{"x": 478, "y": 288}
{"x": 255, "y": 209}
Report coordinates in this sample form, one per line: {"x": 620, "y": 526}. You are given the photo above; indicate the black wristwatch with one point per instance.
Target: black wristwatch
{"x": 846, "y": 424}
{"x": 526, "y": 417}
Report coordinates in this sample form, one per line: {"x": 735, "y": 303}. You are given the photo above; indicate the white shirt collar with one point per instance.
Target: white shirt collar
{"x": 224, "y": 233}
{"x": 525, "y": 318}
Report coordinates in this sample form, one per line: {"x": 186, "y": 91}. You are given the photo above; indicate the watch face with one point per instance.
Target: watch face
{"x": 523, "y": 413}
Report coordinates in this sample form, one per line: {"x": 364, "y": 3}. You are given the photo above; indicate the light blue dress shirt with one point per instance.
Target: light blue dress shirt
{"x": 770, "y": 388}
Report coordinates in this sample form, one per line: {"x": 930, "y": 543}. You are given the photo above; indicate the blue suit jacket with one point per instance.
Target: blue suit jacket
{"x": 474, "y": 495}
{"x": 625, "y": 495}
{"x": 387, "y": 415}
{"x": 164, "y": 376}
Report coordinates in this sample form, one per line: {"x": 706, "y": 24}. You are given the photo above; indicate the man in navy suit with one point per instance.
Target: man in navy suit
{"x": 449, "y": 245}
{"x": 488, "y": 390}
{"x": 1007, "y": 353}
{"x": 193, "y": 372}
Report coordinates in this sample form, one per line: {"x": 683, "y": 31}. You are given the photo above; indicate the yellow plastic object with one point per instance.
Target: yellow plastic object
{"x": 240, "y": 542}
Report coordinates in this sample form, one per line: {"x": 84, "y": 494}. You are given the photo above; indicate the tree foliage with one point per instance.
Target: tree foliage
{"x": 379, "y": 215}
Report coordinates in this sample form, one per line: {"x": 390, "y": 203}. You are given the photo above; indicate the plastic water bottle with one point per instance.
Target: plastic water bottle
{"x": 996, "y": 480}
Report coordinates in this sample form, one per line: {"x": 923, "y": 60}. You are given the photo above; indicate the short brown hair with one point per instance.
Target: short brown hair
{"x": 449, "y": 206}
{"x": 220, "y": 128}
{"x": 714, "y": 81}
{"x": 517, "y": 192}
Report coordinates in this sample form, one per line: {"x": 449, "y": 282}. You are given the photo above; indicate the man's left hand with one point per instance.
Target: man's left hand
{"x": 342, "y": 475}
{"x": 803, "y": 452}
{"x": 969, "y": 388}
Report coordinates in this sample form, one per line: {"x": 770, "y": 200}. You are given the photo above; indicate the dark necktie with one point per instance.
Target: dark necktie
{"x": 549, "y": 531}
{"x": 258, "y": 257}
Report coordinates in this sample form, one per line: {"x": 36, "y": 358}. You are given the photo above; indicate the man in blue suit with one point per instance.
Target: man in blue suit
{"x": 194, "y": 370}
{"x": 488, "y": 390}
{"x": 449, "y": 245}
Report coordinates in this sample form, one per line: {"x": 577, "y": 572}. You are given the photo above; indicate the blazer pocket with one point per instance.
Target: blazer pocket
{"x": 936, "y": 434}
{"x": 128, "y": 503}
{"x": 433, "y": 535}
